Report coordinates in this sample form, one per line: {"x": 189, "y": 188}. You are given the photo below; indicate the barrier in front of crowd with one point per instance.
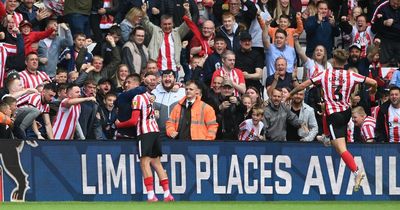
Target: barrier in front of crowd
{"x": 207, "y": 171}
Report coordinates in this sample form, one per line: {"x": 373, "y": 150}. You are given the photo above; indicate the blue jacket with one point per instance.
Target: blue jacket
{"x": 83, "y": 57}
{"x": 124, "y": 105}
{"x": 320, "y": 34}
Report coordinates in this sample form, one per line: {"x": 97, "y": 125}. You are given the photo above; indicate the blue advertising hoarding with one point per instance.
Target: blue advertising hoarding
{"x": 206, "y": 171}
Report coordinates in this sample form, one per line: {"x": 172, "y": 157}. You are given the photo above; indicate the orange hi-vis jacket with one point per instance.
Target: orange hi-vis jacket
{"x": 203, "y": 125}
{"x": 4, "y": 119}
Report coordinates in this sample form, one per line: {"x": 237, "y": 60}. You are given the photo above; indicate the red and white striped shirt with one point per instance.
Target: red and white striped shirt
{"x": 248, "y": 131}
{"x": 394, "y": 124}
{"x": 236, "y": 75}
{"x": 5, "y": 50}
{"x": 350, "y": 131}
{"x": 31, "y": 80}
{"x": 18, "y": 18}
{"x": 166, "y": 54}
{"x": 147, "y": 122}
{"x": 66, "y": 120}
{"x": 368, "y": 128}
{"x": 106, "y": 20}
{"x": 363, "y": 38}
{"x": 337, "y": 85}
{"x": 313, "y": 68}
{"x": 35, "y": 100}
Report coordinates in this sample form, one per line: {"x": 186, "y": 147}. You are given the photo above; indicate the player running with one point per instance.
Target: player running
{"x": 338, "y": 84}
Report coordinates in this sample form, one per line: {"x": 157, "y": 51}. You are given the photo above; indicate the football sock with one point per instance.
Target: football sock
{"x": 165, "y": 185}
{"x": 349, "y": 160}
{"x": 148, "y": 182}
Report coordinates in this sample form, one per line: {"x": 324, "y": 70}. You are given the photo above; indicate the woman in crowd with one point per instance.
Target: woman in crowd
{"x": 120, "y": 76}
{"x": 132, "y": 19}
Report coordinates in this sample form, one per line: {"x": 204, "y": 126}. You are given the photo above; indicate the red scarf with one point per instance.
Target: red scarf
{"x": 205, "y": 48}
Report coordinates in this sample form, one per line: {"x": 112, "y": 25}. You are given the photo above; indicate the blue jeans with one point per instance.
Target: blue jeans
{"x": 79, "y": 24}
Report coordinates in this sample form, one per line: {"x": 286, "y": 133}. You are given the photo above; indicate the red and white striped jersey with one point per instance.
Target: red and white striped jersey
{"x": 35, "y": 100}
{"x": 147, "y": 122}
{"x": 313, "y": 68}
{"x": 394, "y": 124}
{"x": 66, "y": 120}
{"x": 5, "y": 50}
{"x": 18, "y": 18}
{"x": 248, "y": 131}
{"x": 350, "y": 131}
{"x": 166, "y": 54}
{"x": 375, "y": 111}
{"x": 236, "y": 75}
{"x": 30, "y": 80}
{"x": 337, "y": 84}
{"x": 364, "y": 39}
{"x": 368, "y": 128}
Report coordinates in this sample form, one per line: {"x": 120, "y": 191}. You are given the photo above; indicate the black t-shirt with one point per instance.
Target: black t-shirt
{"x": 248, "y": 62}
{"x": 291, "y": 131}
{"x": 286, "y": 82}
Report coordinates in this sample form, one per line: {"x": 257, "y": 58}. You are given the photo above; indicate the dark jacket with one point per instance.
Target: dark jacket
{"x": 320, "y": 34}
{"x": 387, "y": 12}
{"x": 212, "y": 63}
{"x": 235, "y": 45}
{"x": 124, "y": 105}
{"x": 83, "y": 57}
{"x": 382, "y": 123}
{"x": 31, "y": 17}
{"x": 175, "y": 8}
{"x": 230, "y": 119}
{"x": 107, "y": 72}
{"x": 244, "y": 17}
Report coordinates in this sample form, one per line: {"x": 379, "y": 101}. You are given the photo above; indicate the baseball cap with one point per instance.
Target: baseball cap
{"x": 227, "y": 83}
{"x": 24, "y": 23}
{"x": 244, "y": 35}
{"x": 358, "y": 46}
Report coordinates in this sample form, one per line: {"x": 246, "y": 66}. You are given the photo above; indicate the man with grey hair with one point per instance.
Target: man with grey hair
{"x": 230, "y": 73}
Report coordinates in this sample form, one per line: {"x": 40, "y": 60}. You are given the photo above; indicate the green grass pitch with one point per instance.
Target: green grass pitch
{"x": 256, "y": 205}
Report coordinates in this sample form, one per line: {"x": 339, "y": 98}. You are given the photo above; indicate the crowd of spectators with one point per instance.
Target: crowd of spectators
{"x": 223, "y": 69}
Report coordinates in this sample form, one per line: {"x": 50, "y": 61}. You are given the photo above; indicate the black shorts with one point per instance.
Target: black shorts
{"x": 337, "y": 124}
{"x": 149, "y": 145}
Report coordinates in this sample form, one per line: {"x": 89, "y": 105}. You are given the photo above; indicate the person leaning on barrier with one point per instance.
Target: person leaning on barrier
{"x": 192, "y": 118}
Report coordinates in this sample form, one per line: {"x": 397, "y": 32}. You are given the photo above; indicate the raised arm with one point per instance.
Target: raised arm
{"x": 265, "y": 36}
{"x": 73, "y": 101}
{"x": 302, "y": 55}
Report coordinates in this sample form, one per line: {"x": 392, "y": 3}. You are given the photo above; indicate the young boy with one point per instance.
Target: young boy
{"x": 365, "y": 123}
{"x": 31, "y": 37}
{"x": 284, "y": 23}
{"x": 252, "y": 129}
{"x": 61, "y": 76}
{"x": 109, "y": 115}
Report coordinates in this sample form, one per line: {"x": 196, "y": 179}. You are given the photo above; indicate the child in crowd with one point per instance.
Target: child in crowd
{"x": 252, "y": 129}
{"x": 72, "y": 76}
{"x": 32, "y": 37}
{"x": 109, "y": 115}
{"x": 61, "y": 76}
{"x": 284, "y": 23}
